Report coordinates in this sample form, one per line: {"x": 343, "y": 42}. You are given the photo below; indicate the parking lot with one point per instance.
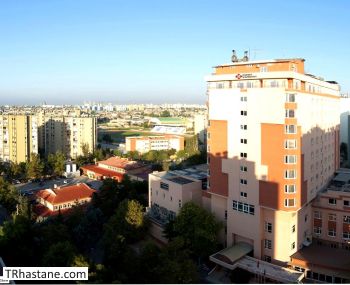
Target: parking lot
{"x": 32, "y": 187}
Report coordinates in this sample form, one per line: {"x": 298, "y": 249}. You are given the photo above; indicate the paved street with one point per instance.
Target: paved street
{"x": 36, "y": 186}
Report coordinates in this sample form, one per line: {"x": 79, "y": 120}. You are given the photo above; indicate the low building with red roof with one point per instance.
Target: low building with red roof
{"x": 114, "y": 167}
{"x": 53, "y": 201}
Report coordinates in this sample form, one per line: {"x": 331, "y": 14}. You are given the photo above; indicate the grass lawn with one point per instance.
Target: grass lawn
{"x": 118, "y": 136}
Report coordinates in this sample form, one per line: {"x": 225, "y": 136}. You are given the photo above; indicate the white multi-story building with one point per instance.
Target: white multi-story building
{"x": 147, "y": 143}
{"x": 273, "y": 144}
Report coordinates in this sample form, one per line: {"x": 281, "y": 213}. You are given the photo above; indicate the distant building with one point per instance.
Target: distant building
{"x": 146, "y": 143}
{"x": 345, "y": 123}
{"x": 200, "y": 126}
{"x": 53, "y": 201}
{"x": 115, "y": 168}
{"x": 18, "y": 137}
{"x": 169, "y": 125}
{"x": 66, "y": 133}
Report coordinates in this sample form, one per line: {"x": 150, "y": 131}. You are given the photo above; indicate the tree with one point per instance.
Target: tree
{"x": 56, "y": 163}
{"x": 8, "y": 196}
{"x": 198, "y": 228}
{"x": 17, "y": 245}
{"x": 165, "y": 113}
{"x": 128, "y": 221}
{"x": 59, "y": 254}
{"x": 191, "y": 145}
{"x": 176, "y": 265}
{"x": 35, "y": 167}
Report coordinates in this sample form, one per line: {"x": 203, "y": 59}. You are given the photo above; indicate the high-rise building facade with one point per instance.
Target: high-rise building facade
{"x": 273, "y": 144}
{"x": 18, "y": 137}
{"x": 68, "y": 134}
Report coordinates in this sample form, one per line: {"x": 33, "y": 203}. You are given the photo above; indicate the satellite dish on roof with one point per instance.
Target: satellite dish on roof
{"x": 234, "y": 56}
{"x": 245, "y": 57}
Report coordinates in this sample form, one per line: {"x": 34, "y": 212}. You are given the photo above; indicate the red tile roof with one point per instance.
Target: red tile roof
{"x": 102, "y": 171}
{"x": 66, "y": 194}
{"x": 119, "y": 162}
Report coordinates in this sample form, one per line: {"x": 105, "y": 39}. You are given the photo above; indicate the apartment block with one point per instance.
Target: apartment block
{"x": 273, "y": 145}
{"x": 18, "y": 137}
{"x": 147, "y": 143}
{"x": 58, "y": 132}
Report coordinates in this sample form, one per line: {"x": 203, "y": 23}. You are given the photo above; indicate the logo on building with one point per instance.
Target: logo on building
{"x": 245, "y": 76}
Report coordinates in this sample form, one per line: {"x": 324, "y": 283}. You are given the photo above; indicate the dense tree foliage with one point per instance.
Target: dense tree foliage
{"x": 56, "y": 163}
{"x": 198, "y": 229}
{"x": 35, "y": 167}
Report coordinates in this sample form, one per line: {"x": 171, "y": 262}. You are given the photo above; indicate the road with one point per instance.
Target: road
{"x": 35, "y": 186}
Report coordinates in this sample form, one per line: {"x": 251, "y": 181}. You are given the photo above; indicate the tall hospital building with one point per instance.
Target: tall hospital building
{"x": 273, "y": 145}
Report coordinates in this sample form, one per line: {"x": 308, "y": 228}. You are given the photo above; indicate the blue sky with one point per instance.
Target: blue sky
{"x": 68, "y": 51}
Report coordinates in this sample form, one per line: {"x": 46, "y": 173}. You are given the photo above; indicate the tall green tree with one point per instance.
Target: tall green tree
{"x": 57, "y": 163}
{"x": 9, "y": 196}
{"x": 128, "y": 221}
{"x": 198, "y": 228}
{"x": 35, "y": 167}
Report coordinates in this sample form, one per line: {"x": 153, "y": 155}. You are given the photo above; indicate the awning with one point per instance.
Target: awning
{"x": 228, "y": 256}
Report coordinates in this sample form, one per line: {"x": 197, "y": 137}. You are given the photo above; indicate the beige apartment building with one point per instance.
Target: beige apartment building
{"x": 273, "y": 145}
{"x": 66, "y": 133}
{"x": 18, "y": 137}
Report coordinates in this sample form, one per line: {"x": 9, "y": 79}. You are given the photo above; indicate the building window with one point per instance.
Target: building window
{"x": 243, "y": 155}
{"x": 317, "y": 215}
{"x": 332, "y": 217}
{"x": 208, "y": 135}
{"x": 290, "y": 113}
{"x": 268, "y": 243}
{"x": 289, "y": 202}
{"x": 293, "y": 229}
{"x": 263, "y": 69}
{"x": 243, "y": 99}
{"x": 290, "y": 174}
{"x": 290, "y": 98}
{"x": 346, "y": 235}
{"x": 290, "y": 144}
{"x": 244, "y": 141}
{"x": 243, "y": 181}
{"x": 243, "y": 207}
{"x": 243, "y": 113}
{"x": 317, "y": 231}
{"x": 332, "y": 201}
{"x": 290, "y": 129}
{"x": 244, "y": 194}
{"x": 243, "y": 168}
{"x": 244, "y": 127}
{"x": 164, "y": 186}
{"x": 346, "y": 219}
{"x": 225, "y": 214}
{"x": 331, "y": 232}
{"x": 180, "y": 204}
{"x": 290, "y": 159}
{"x": 346, "y": 203}
{"x": 293, "y": 245}
{"x": 290, "y": 188}
{"x": 268, "y": 227}
{"x": 267, "y": 258}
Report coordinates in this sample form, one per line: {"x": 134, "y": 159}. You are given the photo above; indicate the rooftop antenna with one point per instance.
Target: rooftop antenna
{"x": 255, "y": 51}
{"x": 234, "y": 56}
